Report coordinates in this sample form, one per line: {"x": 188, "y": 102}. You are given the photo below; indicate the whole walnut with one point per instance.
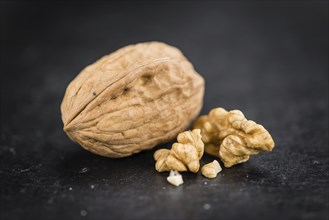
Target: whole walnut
{"x": 132, "y": 100}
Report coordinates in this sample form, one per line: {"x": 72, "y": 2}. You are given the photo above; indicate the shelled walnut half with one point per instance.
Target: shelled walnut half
{"x": 184, "y": 155}
{"x": 210, "y": 170}
{"x": 231, "y": 137}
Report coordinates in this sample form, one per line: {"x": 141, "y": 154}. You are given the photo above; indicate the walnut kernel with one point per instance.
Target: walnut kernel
{"x": 184, "y": 155}
{"x": 210, "y": 170}
{"x": 175, "y": 178}
{"x": 231, "y": 137}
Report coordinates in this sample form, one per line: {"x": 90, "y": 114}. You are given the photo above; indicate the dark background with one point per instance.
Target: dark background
{"x": 268, "y": 59}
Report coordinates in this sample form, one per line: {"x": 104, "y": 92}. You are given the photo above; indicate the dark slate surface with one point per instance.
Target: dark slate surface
{"x": 269, "y": 60}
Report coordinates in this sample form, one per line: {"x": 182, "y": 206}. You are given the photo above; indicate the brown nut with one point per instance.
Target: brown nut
{"x": 184, "y": 155}
{"x": 232, "y": 137}
{"x": 131, "y": 100}
{"x": 210, "y": 170}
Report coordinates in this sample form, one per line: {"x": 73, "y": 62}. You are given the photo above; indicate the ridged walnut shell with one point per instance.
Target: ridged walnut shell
{"x": 132, "y": 100}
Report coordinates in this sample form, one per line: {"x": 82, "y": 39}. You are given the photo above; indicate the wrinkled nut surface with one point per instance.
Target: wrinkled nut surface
{"x": 131, "y": 100}
{"x": 232, "y": 137}
{"x": 184, "y": 155}
{"x": 210, "y": 170}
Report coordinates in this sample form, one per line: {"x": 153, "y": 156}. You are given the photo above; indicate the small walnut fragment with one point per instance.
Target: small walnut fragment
{"x": 210, "y": 170}
{"x": 231, "y": 137}
{"x": 175, "y": 178}
{"x": 132, "y": 100}
{"x": 184, "y": 155}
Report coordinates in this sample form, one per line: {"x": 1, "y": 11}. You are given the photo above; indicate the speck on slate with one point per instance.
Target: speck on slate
{"x": 83, "y": 212}
{"x": 12, "y": 150}
{"x": 50, "y": 200}
{"x": 25, "y": 170}
{"x": 84, "y": 170}
{"x": 206, "y": 206}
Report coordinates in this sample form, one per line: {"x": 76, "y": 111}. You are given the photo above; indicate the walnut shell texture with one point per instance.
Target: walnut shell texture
{"x": 132, "y": 100}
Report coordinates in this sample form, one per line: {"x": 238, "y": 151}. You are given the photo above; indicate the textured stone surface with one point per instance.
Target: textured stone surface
{"x": 267, "y": 59}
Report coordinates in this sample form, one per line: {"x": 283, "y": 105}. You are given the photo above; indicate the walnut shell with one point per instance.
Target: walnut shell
{"x": 132, "y": 100}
